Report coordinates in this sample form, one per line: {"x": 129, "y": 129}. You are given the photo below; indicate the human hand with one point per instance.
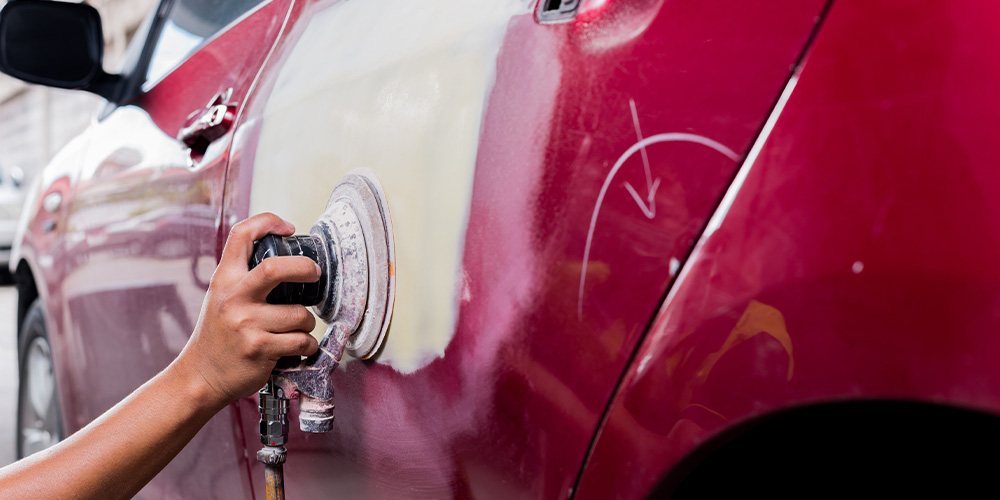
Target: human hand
{"x": 239, "y": 337}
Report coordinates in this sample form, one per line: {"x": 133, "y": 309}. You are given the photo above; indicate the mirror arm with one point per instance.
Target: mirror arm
{"x": 108, "y": 86}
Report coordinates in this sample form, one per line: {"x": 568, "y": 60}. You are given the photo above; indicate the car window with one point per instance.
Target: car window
{"x": 187, "y": 26}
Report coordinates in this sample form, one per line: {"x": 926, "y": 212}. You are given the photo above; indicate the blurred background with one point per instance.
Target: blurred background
{"x": 35, "y": 123}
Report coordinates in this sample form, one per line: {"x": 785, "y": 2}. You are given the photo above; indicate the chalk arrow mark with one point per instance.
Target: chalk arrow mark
{"x": 641, "y": 145}
{"x": 648, "y": 210}
{"x": 651, "y": 185}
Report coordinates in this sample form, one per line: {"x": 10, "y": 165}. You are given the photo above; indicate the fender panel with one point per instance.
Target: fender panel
{"x": 855, "y": 258}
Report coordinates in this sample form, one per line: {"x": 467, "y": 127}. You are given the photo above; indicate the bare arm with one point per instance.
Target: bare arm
{"x": 233, "y": 349}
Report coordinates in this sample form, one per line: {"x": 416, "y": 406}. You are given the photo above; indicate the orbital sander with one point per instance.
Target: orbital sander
{"x": 353, "y": 246}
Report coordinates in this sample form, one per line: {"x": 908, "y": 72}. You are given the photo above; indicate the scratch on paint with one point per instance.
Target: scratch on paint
{"x": 758, "y": 318}
{"x": 649, "y": 212}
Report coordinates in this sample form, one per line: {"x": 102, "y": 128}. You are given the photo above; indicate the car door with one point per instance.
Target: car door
{"x": 548, "y": 167}
{"x": 142, "y": 228}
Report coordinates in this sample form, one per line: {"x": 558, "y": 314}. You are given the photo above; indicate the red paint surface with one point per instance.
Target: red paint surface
{"x": 510, "y": 409}
{"x": 512, "y": 406}
{"x": 867, "y": 228}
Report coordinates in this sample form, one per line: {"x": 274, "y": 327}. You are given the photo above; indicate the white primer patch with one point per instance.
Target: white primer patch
{"x": 399, "y": 87}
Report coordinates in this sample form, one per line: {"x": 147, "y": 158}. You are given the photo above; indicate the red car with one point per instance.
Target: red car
{"x": 646, "y": 247}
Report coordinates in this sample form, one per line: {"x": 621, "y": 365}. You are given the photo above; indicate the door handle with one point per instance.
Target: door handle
{"x": 212, "y": 124}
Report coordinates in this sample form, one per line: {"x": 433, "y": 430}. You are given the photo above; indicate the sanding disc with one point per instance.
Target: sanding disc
{"x": 361, "y": 192}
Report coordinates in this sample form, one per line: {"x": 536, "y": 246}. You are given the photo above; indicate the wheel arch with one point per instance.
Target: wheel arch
{"x": 871, "y": 446}
{"x": 27, "y": 290}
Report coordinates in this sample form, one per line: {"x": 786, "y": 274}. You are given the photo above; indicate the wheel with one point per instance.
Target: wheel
{"x": 39, "y": 424}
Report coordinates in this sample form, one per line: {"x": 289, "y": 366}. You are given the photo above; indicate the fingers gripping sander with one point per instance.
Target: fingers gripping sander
{"x": 352, "y": 243}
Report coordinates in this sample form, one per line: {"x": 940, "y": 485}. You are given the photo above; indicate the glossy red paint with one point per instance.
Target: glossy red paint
{"x": 858, "y": 259}
{"x": 510, "y": 409}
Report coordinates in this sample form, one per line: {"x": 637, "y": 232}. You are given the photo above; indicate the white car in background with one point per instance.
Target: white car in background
{"x": 11, "y": 199}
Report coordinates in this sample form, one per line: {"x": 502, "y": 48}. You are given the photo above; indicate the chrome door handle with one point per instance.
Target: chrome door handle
{"x": 211, "y": 125}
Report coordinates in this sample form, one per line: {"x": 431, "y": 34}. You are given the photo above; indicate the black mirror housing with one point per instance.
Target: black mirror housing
{"x": 57, "y": 44}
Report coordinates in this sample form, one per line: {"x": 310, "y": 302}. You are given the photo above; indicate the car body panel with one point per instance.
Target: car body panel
{"x": 513, "y": 365}
{"x": 855, "y": 258}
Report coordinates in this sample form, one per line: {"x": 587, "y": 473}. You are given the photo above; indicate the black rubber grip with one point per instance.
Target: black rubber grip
{"x": 307, "y": 294}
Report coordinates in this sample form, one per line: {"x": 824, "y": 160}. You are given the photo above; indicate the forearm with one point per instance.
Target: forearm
{"x": 117, "y": 454}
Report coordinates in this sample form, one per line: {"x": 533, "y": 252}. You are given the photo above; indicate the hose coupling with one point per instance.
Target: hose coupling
{"x": 273, "y": 415}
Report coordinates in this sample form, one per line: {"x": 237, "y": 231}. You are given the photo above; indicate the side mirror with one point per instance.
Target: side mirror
{"x": 57, "y": 44}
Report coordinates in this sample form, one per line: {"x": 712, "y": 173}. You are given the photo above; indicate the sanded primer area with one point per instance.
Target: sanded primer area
{"x": 398, "y": 87}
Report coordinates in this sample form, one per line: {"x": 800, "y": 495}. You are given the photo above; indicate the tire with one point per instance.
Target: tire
{"x": 39, "y": 421}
